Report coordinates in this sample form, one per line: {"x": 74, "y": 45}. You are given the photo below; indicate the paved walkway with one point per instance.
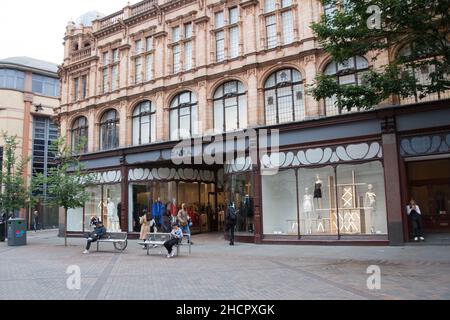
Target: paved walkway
{"x": 218, "y": 271}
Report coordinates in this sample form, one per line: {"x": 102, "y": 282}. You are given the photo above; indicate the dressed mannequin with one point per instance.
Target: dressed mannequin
{"x": 158, "y": 211}
{"x": 247, "y": 207}
{"x": 308, "y": 207}
{"x": 113, "y": 220}
{"x": 174, "y": 210}
{"x": 318, "y": 191}
{"x": 102, "y": 205}
{"x": 370, "y": 201}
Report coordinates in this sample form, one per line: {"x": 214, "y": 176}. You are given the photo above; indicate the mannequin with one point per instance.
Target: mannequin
{"x": 318, "y": 191}
{"x": 113, "y": 221}
{"x": 158, "y": 211}
{"x": 308, "y": 207}
{"x": 247, "y": 208}
{"x": 370, "y": 201}
{"x": 174, "y": 210}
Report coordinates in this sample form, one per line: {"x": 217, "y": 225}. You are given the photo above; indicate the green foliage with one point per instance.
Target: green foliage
{"x": 65, "y": 183}
{"x": 424, "y": 24}
{"x": 13, "y": 195}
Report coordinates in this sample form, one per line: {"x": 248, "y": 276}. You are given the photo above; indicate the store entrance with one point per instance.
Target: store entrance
{"x": 429, "y": 185}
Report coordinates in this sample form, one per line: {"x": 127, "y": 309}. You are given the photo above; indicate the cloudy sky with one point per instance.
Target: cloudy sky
{"x": 35, "y": 28}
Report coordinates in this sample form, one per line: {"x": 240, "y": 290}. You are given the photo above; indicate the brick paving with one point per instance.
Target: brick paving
{"x": 215, "y": 270}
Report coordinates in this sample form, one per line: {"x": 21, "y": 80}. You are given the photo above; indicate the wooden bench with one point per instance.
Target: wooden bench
{"x": 155, "y": 240}
{"x": 118, "y": 239}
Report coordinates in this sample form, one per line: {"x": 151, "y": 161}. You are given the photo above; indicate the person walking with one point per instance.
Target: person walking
{"x": 183, "y": 219}
{"x": 231, "y": 219}
{"x": 177, "y": 236}
{"x": 415, "y": 215}
{"x": 98, "y": 233}
{"x": 35, "y": 220}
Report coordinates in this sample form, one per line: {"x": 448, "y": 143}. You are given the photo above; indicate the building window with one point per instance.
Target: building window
{"x": 176, "y": 34}
{"x": 83, "y": 87}
{"x": 12, "y": 79}
{"x": 45, "y": 85}
{"x": 288, "y": 27}
{"x": 188, "y": 46}
{"x": 149, "y": 67}
{"x": 219, "y": 20}
{"x": 138, "y": 47}
{"x": 109, "y": 130}
{"x": 105, "y": 80}
{"x": 79, "y": 133}
{"x": 349, "y": 72}
{"x": 183, "y": 116}
{"x": 234, "y": 42}
{"x": 188, "y": 31}
{"x": 115, "y": 55}
{"x": 286, "y": 3}
{"x": 269, "y": 6}
{"x": 176, "y": 58}
{"x": 149, "y": 43}
{"x": 105, "y": 58}
{"x": 138, "y": 70}
{"x": 271, "y": 32}
{"x": 76, "y": 84}
{"x": 233, "y": 15}
{"x": 45, "y": 133}
{"x": 144, "y": 124}
{"x": 220, "y": 46}
{"x": 115, "y": 77}
{"x": 284, "y": 97}
{"x": 230, "y": 107}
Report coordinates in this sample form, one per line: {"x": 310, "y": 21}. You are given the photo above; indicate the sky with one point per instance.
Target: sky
{"x": 35, "y": 28}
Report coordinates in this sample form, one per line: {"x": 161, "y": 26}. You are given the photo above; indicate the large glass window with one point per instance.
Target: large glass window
{"x": 115, "y": 77}
{"x": 280, "y": 203}
{"x": 234, "y": 42}
{"x": 79, "y": 132}
{"x": 230, "y": 107}
{"x": 176, "y": 58}
{"x": 138, "y": 70}
{"x": 220, "y": 46}
{"x": 12, "y": 79}
{"x": 284, "y": 97}
{"x": 349, "y": 72}
{"x": 144, "y": 126}
{"x": 149, "y": 67}
{"x": 109, "y": 130}
{"x": 45, "y": 85}
{"x": 183, "y": 116}
{"x": 288, "y": 27}
{"x": 271, "y": 32}
{"x": 188, "y": 55}
{"x": 93, "y": 207}
{"x": 239, "y": 189}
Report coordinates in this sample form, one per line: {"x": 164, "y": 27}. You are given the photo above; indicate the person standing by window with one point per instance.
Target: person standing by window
{"x": 415, "y": 215}
{"x": 35, "y": 220}
{"x": 231, "y": 219}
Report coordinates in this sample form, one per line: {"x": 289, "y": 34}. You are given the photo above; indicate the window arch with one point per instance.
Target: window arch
{"x": 183, "y": 116}
{"x": 144, "y": 125}
{"x": 284, "y": 97}
{"x": 230, "y": 107}
{"x": 349, "y": 72}
{"x": 109, "y": 130}
{"x": 79, "y": 132}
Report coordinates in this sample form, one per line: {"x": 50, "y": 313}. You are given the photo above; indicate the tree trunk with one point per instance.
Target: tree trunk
{"x": 65, "y": 227}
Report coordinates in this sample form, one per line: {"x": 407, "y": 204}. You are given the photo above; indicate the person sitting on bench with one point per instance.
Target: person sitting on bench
{"x": 177, "y": 236}
{"x": 98, "y": 233}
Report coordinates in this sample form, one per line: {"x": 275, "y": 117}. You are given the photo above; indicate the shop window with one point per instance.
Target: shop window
{"x": 284, "y": 93}
{"x": 75, "y": 220}
{"x": 239, "y": 189}
{"x": 93, "y": 206}
{"x": 361, "y": 199}
{"x": 280, "y": 203}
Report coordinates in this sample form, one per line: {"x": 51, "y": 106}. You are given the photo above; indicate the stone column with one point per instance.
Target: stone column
{"x": 248, "y": 29}
{"x": 124, "y": 195}
{"x": 123, "y": 125}
{"x": 392, "y": 182}
{"x": 312, "y": 108}
{"x": 203, "y": 111}
{"x": 92, "y": 131}
{"x": 253, "y": 107}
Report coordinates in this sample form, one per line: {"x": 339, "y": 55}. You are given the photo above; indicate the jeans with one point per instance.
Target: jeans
{"x": 417, "y": 225}
{"x": 169, "y": 244}
{"x": 90, "y": 240}
{"x": 187, "y": 231}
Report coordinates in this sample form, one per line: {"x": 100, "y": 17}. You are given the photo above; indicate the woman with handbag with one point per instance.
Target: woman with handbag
{"x": 183, "y": 219}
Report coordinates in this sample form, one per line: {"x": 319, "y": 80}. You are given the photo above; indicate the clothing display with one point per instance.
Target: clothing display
{"x": 113, "y": 219}
{"x": 247, "y": 207}
{"x": 318, "y": 190}
{"x": 307, "y": 203}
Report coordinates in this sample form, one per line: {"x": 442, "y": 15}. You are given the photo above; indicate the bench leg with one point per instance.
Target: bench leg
{"x": 178, "y": 250}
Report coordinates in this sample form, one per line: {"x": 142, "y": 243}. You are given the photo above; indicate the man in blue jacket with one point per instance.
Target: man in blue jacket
{"x": 98, "y": 233}
{"x": 158, "y": 209}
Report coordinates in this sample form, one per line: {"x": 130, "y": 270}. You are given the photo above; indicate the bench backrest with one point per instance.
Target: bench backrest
{"x": 117, "y": 235}
{"x": 158, "y": 236}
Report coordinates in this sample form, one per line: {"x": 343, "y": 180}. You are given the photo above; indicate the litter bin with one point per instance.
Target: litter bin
{"x": 17, "y": 232}
{"x": 2, "y": 231}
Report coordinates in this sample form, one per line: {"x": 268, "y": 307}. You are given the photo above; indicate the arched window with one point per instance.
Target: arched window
{"x": 183, "y": 116}
{"x": 349, "y": 72}
{"x": 284, "y": 97}
{"x": 79, "y": 133}
{"x": 144, "y": 126}
{"x": 230, "y": 107}
{"x": 422, "y": 73}
{"x": 109, "y": 130}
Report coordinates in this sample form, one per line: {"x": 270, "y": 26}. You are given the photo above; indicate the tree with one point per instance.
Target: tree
{"x": 355, "y": 28}
{"x": 65, "y": 183}
{"x": 13, "y": 192}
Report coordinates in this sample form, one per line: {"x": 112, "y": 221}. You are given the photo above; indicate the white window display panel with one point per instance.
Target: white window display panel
{"x": 75, "y": 220}
{"x": 280, "y": 204}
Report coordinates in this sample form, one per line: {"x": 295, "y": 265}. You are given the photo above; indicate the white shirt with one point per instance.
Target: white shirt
{"x": 409, "y": 209}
